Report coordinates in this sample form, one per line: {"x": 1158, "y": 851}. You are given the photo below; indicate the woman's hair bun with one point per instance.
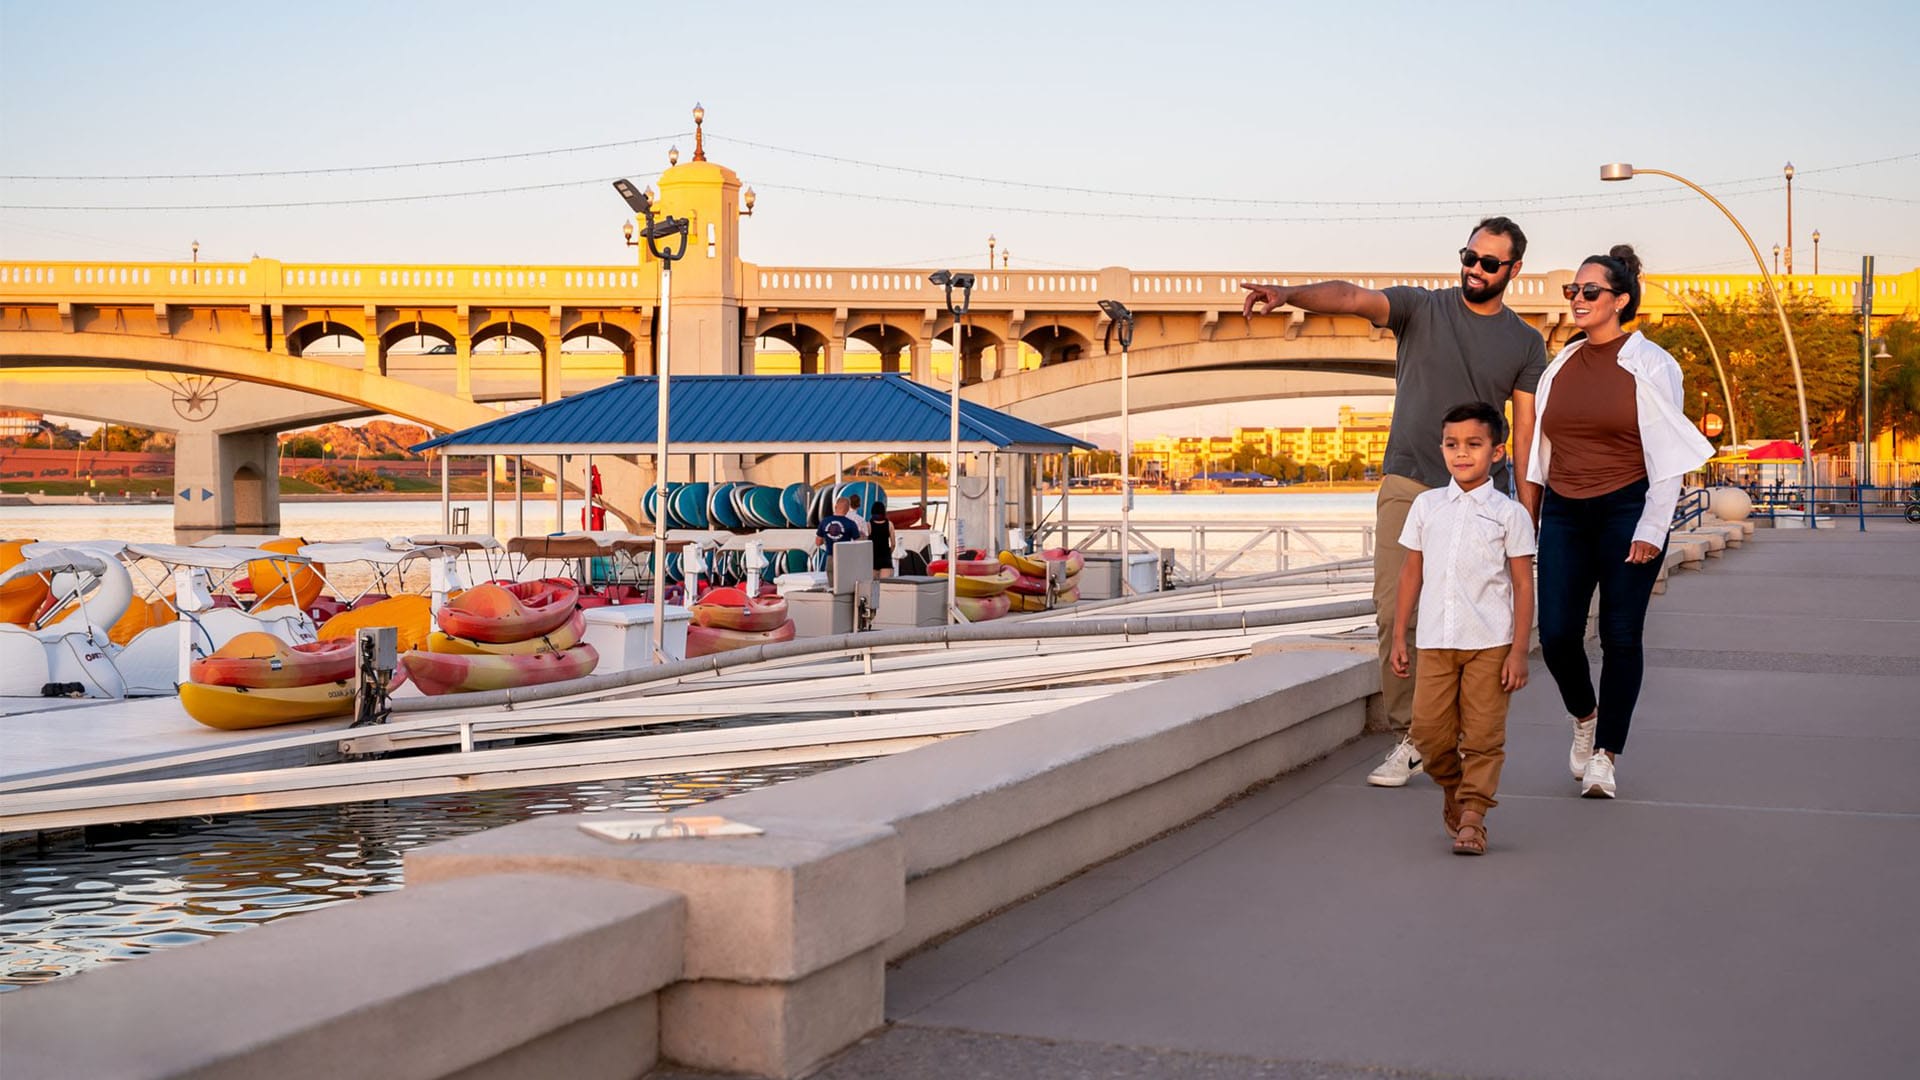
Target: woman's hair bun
{"x": 1625, "y": 253}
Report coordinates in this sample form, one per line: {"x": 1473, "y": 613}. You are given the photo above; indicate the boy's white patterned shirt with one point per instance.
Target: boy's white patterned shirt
{"x": 1465, "y": 539}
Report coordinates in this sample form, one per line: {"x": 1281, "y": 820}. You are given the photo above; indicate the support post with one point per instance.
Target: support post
{"x": 446, "y": 495}
{"x": 519, "y": 495}
{"x": 493, "y": 462}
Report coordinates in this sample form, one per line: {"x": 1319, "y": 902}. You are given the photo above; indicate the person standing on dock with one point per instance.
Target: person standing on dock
{"x": 1469, "y": 572}
{"x": 1452, "y": 345}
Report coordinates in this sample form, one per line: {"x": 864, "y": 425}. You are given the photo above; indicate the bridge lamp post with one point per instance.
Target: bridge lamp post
{"x": 950, "y": 281}
{"x": 196, "y": 262}
{"x": 641, "y": 203}
{"x": 1622, "y": 171}
{"x": 1733, "y": 428}
{"x": 1121, "y": 321}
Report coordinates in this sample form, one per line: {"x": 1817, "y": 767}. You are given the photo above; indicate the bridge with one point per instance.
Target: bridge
{"x": 228, "y": 354}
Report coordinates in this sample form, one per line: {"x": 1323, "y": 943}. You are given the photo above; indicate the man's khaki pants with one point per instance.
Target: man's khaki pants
{"x": 1389, "y": 517}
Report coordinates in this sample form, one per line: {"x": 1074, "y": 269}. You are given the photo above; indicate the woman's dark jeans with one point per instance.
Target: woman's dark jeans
{"x": 1583, "y": 546}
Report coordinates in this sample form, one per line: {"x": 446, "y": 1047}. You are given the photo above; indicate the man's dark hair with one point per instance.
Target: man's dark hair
{"x": 853, "y": 501}
{"x": 1503, "y": 226}
{"x": 1484, "y": 413}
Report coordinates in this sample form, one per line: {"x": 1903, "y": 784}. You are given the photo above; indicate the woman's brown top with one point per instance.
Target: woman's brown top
{"x": 1593, "y": 423}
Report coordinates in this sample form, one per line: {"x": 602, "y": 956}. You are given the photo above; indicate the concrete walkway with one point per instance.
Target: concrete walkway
{"x": 1746, "y": 908}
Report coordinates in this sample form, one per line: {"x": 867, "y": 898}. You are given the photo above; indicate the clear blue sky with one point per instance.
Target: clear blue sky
{"x": 1475, "y": 107}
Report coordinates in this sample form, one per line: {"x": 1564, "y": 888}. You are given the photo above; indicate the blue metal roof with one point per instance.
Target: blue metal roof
{"x": 753, "y": 413}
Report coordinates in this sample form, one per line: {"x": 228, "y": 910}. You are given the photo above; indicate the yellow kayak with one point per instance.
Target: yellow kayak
{"x": 236, "y": 708}
{"x": 1036, "y": 565}
{"x": 560, "y": 640}
{"x": 1025, "y": 602}
{"x": 968, "y": 585}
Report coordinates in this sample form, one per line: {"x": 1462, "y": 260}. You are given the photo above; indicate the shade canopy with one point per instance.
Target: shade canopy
{"x": 1781, "y": 450}
{"x": 762, "y": 414}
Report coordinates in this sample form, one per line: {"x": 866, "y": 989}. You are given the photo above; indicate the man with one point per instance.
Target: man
{"x": 1452, "y": 346}
{"x": 836, "y": 527}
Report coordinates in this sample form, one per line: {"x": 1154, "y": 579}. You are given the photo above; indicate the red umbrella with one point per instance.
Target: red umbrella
{"x": 1781, "y": 450}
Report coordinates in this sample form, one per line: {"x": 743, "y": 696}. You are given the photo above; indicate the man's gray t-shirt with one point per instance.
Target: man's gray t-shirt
{"x": 1448, "y": 355}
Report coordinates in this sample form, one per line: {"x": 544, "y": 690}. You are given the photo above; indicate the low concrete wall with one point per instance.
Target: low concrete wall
{"x": 539, "y": 949}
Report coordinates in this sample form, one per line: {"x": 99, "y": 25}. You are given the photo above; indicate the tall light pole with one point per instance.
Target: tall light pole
{"x": 1866, "y": 368}
{"x": 1776, "y": 258}
{"x": 655, "y": 231}
{"x": 991, "y": 241}
{"x": 964, "y": 282}
{"x": 1726, "y": 392}
{"x": 196, "y": 262}
{"x": 1121, "y": 322}
{"x": 1816, "y": 251}
{"x": 1789, "y": 172}
{"x": 1623, "y": 171}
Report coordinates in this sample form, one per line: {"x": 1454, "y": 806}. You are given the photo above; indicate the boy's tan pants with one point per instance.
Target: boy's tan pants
{"x": 1460, "y": 721}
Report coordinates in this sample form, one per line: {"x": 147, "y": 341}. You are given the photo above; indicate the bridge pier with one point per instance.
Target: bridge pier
{"x": 225, "y": 483}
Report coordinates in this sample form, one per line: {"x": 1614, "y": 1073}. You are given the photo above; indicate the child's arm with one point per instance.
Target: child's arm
{"x": 1405, "y": 598}
{"x": 1513, "y": 673}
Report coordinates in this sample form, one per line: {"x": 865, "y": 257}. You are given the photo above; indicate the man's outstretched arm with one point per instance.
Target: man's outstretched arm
{"x": 1321, "y": 298}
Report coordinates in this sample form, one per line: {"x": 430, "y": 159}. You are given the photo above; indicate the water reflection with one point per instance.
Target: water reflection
{"x": 130, "y": 890}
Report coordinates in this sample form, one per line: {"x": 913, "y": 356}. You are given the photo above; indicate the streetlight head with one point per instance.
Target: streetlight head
{"x": 1619, "y": 170}
{"x": 749, "y": 198}
{"x": 196, "y": 247}
{"x": 699, "y": 114}
{"x": 963, "y": 281}
{"x": 1789, "y": 170}
{"x": 626, "y": 229}
{"x": 940, "y": 277}
{"x": 1882, "y": 354}
{"x": 1816, "y": 236}
{"x": 637, "y": 200}
{"x": 673, "y": 155}
{"x": 1776, "y": 251}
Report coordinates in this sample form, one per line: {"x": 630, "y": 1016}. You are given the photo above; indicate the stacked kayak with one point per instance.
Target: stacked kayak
{"x": 500, "y": 636}
{"x": 728, "y": 618}
{"x": 258, "y": 680}
{"x": 980, "y": 587}
{"x": 1029, "y": 590}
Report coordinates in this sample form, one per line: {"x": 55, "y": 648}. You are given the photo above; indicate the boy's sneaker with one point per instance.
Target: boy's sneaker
{"x": 1582, "y": 752}
{"x": 1597, "y": 781}
{"x": 1400, "y": 765}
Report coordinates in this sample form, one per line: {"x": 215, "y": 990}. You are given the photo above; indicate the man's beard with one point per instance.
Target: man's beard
{"x": 1480, "y": 296}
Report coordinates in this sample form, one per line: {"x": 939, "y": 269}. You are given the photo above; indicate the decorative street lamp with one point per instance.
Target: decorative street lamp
{"x": 1776, "y": 258}
{"x": 1622, "y": 171}
{"x": 950, "y": 281}
{"x": 1816, "y": 251}
{"x": 196, "y": 262}
{"x": 1121, "y": 322}
{"x": 1789, "y": 172}
{"x": 990, "y": 243}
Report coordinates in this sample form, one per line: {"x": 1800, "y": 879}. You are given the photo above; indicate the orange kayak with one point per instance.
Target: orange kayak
{"x": 258, "y": 660}
{"x": 497, "y": 614}
{"x": 707, "y": 640}
{"x": 453, "y": 673}
{"x": 236, "y": 708}
{"x": 731, "y": 609}
{"x": 983, "y": 608}
{"x": 566, "y": 637}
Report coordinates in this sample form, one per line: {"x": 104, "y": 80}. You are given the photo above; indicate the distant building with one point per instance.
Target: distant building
{"x": 1354, "y": 433}
{"x": 18, "y": 424}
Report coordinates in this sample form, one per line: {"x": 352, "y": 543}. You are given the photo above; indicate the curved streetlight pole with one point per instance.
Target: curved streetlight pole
{"x": 1621, "y": 171}
{"x": 964, "y": 282}
{"x": 1726, "y": 392}
{"x": 1120, "y": 320}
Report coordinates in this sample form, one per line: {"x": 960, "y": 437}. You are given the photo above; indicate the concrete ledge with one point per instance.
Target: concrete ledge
{"x": 429, "y": 981}
{"x": 774, "y": 1029}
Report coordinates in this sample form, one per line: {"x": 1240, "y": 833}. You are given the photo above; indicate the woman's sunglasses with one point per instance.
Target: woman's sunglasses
{"x": 1589, "y": 291}
{"x": 1487, "y": 263}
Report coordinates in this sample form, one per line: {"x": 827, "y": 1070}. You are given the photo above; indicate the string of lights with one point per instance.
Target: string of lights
{"x": 340, "y": 170}
{"x": 362, "y": 201}
{"x": 1862, "y": 195}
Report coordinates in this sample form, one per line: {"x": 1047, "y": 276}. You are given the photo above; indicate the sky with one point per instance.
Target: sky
{"x": 1305, "y": 137}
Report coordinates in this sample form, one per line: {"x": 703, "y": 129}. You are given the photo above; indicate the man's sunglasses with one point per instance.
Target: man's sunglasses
{"x": 1488, "y": 264}
{"x": 1590, "y": 291}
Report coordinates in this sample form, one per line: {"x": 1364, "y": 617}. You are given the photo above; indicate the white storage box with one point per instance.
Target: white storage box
{"x": 908, "y": 601}
{"x": 623, "y": 635}
{"x": 1101, "y": 579}
{"x": 820, "y": 613}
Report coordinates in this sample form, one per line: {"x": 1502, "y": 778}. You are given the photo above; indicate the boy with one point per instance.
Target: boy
{"x": 1476, "y": 611}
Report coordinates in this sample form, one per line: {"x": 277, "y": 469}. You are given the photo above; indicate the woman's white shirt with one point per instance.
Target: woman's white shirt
{"x": 1669, "y": 443}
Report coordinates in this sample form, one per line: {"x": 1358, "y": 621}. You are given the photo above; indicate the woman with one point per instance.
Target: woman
{"x": 1610, "y": 448}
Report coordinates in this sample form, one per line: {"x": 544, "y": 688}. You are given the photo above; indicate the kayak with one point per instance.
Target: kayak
{"x": 707, "y": 640}
{"x": 723, "y": 512}
{"x": 236, "y": 708}
{"x": 411, "y": 615}
{"x": 1036, "y": 565}
{"x": 1030, "y": 602}
{"x": 687, "y": 505}
{"x": 452, "y": 673}
{"x": 763, "y": 507}
{"x": 497, "y": 613}
{"x": 969, "y": 567}
{"x": 968, "y": 585}
{"x": 259, "y": 660}
{"x": 983, "y": 608}
{"x": 1037, "y": 586}
{"x": 275, "y": 588}
{"x": 566, "y": 637}
{"x": 793, "y": 504}
{"x": 731, "y": 609}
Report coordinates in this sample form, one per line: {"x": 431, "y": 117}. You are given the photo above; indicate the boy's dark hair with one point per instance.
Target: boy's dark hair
{"x": 1504, "y": 226}
{"x": 1484, "y": 413}
{"x": 853, "y": 500}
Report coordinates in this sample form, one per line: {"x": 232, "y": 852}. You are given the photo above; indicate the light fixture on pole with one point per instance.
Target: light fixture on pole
{"x": 950, "y": 281}
{"x": 196, "y": 262}
{"x": 1121, "y": 323}
{"x": 1776, "y": 258}
{"x": 1816, "y": 251}
{"x": 666, "y": 227}
{"x": 1789, "y": 173}
{"x": 1622, "y": 171}
{"x": 991, "y": 241}
{"x": 1726, "y": 392}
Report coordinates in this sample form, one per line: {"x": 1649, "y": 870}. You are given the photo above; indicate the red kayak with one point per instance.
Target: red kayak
{"x": 260, "y": 661}
{"x": 498, "y": 614}
{"x": 452, "y": 673}
{"x": 728, "y": 608}
{"x": 707, "y": 640}
{"x": 968, "y": 567}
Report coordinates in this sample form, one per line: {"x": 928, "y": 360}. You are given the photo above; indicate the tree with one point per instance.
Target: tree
{"x": 1896, "y": 382}
{"x": 302, "y": 446}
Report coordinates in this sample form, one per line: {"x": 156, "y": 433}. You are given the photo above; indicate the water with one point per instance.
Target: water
{"x": 132, "y": 890}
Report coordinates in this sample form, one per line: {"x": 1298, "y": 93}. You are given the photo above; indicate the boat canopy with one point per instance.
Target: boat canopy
{"x": 107, "y": 549}
{"x": 379, "y": 552}
{"x": 734, "y": 414}
{"x": 209, "y": 558}
{"x": 61, "y": 561}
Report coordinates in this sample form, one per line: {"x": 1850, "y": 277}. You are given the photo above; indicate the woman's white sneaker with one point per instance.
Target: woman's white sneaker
{"x": 1400, "y": 766}
{"x": 1582, "y": 752}
{"x": 1597, "y": 781}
